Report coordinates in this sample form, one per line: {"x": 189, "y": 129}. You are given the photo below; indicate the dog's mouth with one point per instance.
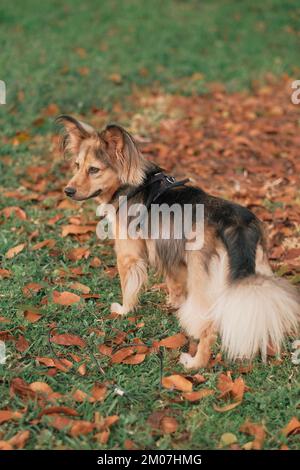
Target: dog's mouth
{"x": 95, "y": 194}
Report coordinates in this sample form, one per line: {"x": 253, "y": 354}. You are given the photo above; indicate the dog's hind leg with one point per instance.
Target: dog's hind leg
{"x": 177, "y": 285}
{"x": 202, "y": 356}
{"x": 132, "y": 268}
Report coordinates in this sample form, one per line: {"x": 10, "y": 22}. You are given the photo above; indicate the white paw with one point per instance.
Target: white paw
{"x": 118, "y": 308}
{"x": 187, "y": 361}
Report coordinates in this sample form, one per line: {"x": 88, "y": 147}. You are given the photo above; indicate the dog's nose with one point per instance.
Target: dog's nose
{"x": 70, "y": 191}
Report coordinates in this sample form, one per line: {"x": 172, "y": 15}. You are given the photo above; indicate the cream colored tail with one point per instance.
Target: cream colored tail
{"x": 254, "y": 313}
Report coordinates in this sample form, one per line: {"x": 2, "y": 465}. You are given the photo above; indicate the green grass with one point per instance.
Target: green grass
{"x": 148, "y": 44}
{"x": 145, "y": 42}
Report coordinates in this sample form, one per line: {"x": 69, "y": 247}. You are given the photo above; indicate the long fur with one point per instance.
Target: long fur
{"x": 255, "y": 313}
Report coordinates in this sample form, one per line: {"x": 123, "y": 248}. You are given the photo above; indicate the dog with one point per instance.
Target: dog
{"x": 226, "y": 288}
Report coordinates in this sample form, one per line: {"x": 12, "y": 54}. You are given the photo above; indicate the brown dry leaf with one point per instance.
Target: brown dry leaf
{"x": 41, "y": 387}
{"x": 134, "y": 360}
{"x": 68, "y": 340}
{"x": 223, "y": 409}
{"x": 57, "y": 410}
{"x": 22, "y": 344}
{"x": 105, "y": 350}
{"x": 60, "y": 422}
{"x": 73, "y": 229}
{"x": 50, "y": 243}
{"x": 173, "y": 342}
{"x": 198, "y": 395}
{"x": 96, "y": 262}
{"x": 228, "y": 387}
{"x": 78, "y": 253}
{"x": 19, "y": 387}
{"x": 81, "y": 287}
{"x": 32, "y": 288}
{"x": 16, "y": 211}
{"x": 120, "y": 355}
{"x": 81, "y": 428}
{"x": 102, "y": 437}
{"x": 19, "y": 440}
{"x": 116, "y": 78}
{"x": 65, "y": 298}
{"x": 4, "y": 445}
{"x": 256, "y": 430}
{"x": 293, "y": 427}
{"x": 5, "y": 273}
{"x": 12, "y": 252}
{"x": 54, "y": 219}
{"x": 177, "y": 382}
{"x": 99, "y": 392}
{"x": 169, "y": 425}
{"x": 82, "y": 369}
{"x": 32, "y": 315}
{"x": 238, "y": 389}
{"x": 129, "y": 445}
{"x": 80, "y": 396}
{"x": 7, "y": 415}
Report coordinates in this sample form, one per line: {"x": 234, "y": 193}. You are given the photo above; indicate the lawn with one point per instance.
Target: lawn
{"x": 128, "y": 61}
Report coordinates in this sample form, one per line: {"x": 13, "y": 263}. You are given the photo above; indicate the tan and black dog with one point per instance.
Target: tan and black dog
{"x": 227, "y": 287}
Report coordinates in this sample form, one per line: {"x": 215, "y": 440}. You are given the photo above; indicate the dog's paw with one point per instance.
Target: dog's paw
{"x": 118, "y": 308}
{"x": 187, "y": 361}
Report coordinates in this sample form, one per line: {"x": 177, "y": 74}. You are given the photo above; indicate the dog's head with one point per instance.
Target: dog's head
{"x": 102, "y": 161}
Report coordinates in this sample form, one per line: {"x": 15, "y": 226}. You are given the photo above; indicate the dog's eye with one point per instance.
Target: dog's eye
{"x": 93, "y": 170}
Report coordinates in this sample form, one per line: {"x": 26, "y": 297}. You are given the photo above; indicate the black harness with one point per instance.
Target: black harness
{"x": 158, "y": 183}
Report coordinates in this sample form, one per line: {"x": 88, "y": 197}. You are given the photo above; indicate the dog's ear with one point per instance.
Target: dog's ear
{"x": 124, "y": 154}
{"x": 75, "y": 132}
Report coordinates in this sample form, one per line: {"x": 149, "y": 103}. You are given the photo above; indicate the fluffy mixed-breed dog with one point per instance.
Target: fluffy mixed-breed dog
{"x": 227, "y": 287}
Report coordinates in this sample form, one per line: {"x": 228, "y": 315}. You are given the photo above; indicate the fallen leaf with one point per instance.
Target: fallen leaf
{"x": 32, "y": 315}
{"x": 173, "y": 342}
{"x": 65, "y": 298}
{"x": 12, "y": 252}
{"x": 22, "y": 344}
{"x": 98, "y": 392}
{"x": 5, "y": 273}
{"x": 76, "y": 229}
{"x": 81, "y": 428}
{"x": 58, "y": 410}
{"x": 134, "y": 359}
{"x": 120, "y": 355}
{"x": 223, "y": 409}
{"x": 198, "y": 395}
{"x": 32, "y": 288}
{"x": 14, "y": 210}
{"x": 81, "y": 287}
{"x": 169, "y": 425}
{"x": 7, "y": 415}
{"x": 78, "y": 253}
{"x": 177, "y": 382}
{"x": 19, "y": 440}
{"x": 68, "y": 340}
{"x": 46, "y": 243}
{"x": 293, "y": 427}
{"x": 256, "y": 430}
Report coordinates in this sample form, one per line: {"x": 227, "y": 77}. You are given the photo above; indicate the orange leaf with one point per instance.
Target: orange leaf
{"x": 31, "y": 288}
{"x": 32, "y": 316}
{"x": 169, "y": 425}
{"x": 65, "y": 298}
{"x": 81, "y": 287}
{"x": 293, "y": 427}
{"x": 7, "y": 415}
{"x": 68, "y": 340}
{"x": 223, "y": 409}
{"x": 134, "y": 359}
{"x": 177, "y": 382}
{"x": 99, "y": 392}
{"x": 15, "y": 251}
{"x": 19, "y": 440}
{"x": 173, "y": 342}
{"x": 22, "y": 344}
{"x": 4, "y": 273}
{"x": 16, "y": 211}
{"x": 58, "y": 409}
{"x": 78, "y": 253}
{"x": 103, "y": 436}
{"x": 76, "y": 229}
{"x": 46, "y": 243}
{"x": 120, "y": 355}
{"x": 256, "y": 430}
{"x": 81, "y": 428}
{"x": 195, "y": 396}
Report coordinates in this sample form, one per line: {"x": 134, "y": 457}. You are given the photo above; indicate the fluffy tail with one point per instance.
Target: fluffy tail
{"x": 255, "y": 310}
{"x": 254, "y": 313}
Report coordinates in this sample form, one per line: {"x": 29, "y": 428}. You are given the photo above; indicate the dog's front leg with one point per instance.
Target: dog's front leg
{"x": 203, "y": 353}
{"x": 133, "y": 274}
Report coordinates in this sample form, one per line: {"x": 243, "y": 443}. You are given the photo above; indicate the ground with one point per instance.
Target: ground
{"x": 212, "y": 102}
